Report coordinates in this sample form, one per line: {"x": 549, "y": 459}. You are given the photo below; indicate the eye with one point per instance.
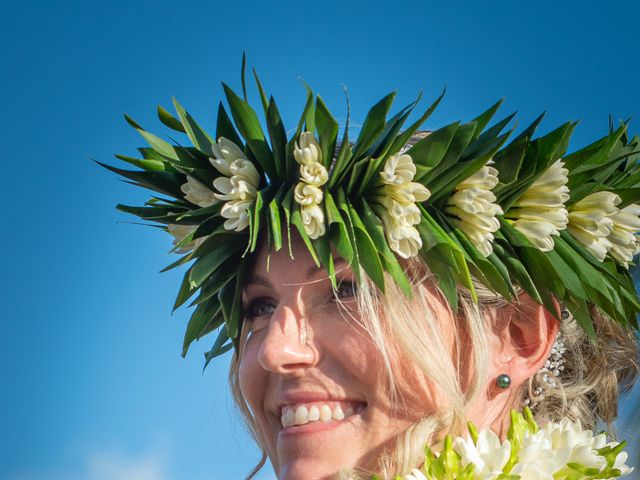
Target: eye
{"x": 259, "y": 307}
{"x": 346, "y": 290}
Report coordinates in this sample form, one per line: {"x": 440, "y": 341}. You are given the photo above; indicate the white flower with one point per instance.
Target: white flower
{"x": 411, "y": 192}
{"x": 313, "y": 173}
{"x": 488, "y": 455}
{"x": 307, "y": 149}
{"x": 403, "y": 238}
{"x": 225, "y": 153}
{"x": 473, "y": 208}
{"x": 180, "y": 232}
{"x": 395, "y": 202}
{"x": 403, "y": 213}
{"x": 237, "y": 214}
{"x": 399, "y": 169}
{"x": 539, "y": 214}
{"x": 313, "y": 220}
{"x": 237, "y": 187}
{"x": 198, "y": 193}
{"x": 537, "y": 460}
{"x": 307, "y": 194}
{"x": 623, "y": 236}
{"x": 590, "y": 221}
{"x": 234, "y": 188}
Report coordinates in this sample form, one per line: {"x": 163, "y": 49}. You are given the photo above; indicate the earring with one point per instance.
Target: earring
{"x": 547, "y": 376}
{"x": 503, "y": 381}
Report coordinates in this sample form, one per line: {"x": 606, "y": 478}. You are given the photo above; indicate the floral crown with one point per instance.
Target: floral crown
{"x": 467, "y": 202}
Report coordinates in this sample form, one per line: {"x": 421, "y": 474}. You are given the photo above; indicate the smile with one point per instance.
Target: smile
{"x": 303, "y": 413}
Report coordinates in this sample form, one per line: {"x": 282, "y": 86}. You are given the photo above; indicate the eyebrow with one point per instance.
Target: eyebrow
{"x": 312, "y": 271}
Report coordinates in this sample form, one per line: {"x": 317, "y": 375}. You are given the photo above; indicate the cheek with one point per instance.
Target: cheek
{"x": 251, "y": 379}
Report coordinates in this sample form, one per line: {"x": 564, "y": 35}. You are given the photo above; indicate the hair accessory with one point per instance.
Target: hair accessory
{"x": 472, "y": 206}
{"x": 503, "y": 381}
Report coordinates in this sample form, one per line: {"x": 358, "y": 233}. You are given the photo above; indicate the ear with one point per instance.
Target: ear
{"x": 524, "y": 334}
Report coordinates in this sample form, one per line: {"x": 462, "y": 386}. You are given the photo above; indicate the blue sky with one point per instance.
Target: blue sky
{"x": 93, "y": 384}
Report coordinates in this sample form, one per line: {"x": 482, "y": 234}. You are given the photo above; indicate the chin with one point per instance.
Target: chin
{"x": 309, "y": 470}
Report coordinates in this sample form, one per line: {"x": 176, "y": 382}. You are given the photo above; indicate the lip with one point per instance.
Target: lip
{"x": 315, "y": 427}
{"x": 297, "y": 397}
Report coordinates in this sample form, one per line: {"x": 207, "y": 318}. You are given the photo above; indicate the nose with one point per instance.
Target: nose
{"x": 287, "y": 348}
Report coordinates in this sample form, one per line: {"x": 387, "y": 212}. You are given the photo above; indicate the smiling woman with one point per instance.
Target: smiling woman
{"x": 345, "y": 381}
{"x": 385, "y": 294}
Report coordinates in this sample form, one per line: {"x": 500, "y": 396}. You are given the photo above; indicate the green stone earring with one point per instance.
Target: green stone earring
{"x": 503, "y": 381}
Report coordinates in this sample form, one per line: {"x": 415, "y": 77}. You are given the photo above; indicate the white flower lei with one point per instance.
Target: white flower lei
{"x": 556, "y": 451}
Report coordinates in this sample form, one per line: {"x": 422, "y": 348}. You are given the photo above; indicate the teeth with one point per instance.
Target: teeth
{"x": 338, "y": 414}
{"x": 289, "y": 418}
{"x": 314, "y": 414}
{"x": 302, "y": 414}
{"x": 325, "y": 413}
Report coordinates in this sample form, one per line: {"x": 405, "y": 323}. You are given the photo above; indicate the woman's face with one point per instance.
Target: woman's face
{"x": 311, "y": 376}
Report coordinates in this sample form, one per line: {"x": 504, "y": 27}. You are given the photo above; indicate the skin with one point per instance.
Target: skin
{"x": 304, "y": 348}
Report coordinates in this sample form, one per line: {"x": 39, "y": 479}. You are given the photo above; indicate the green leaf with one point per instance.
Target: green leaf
{"x": 278, "y": 137}
{"x": 445, "y": 183}
{"x": 402, "y": 139}
{"x": 206, "y": 265}
{"x": 509, "y": 159}
{"x": 431, "y": 150}
{"x": 376, "y": 231}
{"x": 243, "y": 76}
{"x": 225, "y": 128}
{"x": 327, "y": 128}
{"x": 517, "y": 270}
{"x": 200, "y": 139}
{"x": 296, "y": 219}
{"x": 595, "y": 154}
{"x": 338, "y": 229}
{"x": 276, "y": 227}
{"x": 256, "y": 213}
{"x": 249, "y": 125}
{"x": 366, "y": 250}
{"x": 230, "y": 296}
{"x": 184, "y": 292}
{"x": 484, "y": 118}
{"x": 220, "y": 277}
{"x": 263, "y": 95}
{"x": 437, "y": 240}
{"x": 155, "y": 165}
{"x": 373, "y": 124}
{"x": 458, "y": 143}
{"x": 322, "y": 247}
{"x": 356, "y": 173}
{"x": 219, "y": 347}
{"x": 200, "y": 318}
{"x": 169, "y": 120}
{"x": 167, "y": 183}
{"x": 181, "y": 261}
{"x": 491, "y": 271}
{"x": 343, "y": 207}
{"x": 176, "y": 155}
{"x": 305, "y": 111}
{"x": 488, "y": 137}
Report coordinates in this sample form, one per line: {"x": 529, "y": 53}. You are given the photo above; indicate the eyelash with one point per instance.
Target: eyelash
{"x": 251, "y": 310}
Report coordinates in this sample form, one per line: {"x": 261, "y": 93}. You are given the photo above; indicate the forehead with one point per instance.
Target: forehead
{"x": 286, "y": 263}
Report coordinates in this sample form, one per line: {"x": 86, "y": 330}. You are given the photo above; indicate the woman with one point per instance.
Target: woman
{"x": 382, "y": 294}
{"x": 395, "y": 381}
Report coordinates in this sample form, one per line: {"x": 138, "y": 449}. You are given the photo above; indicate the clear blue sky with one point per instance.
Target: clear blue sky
{"x": 92, "y": 383}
